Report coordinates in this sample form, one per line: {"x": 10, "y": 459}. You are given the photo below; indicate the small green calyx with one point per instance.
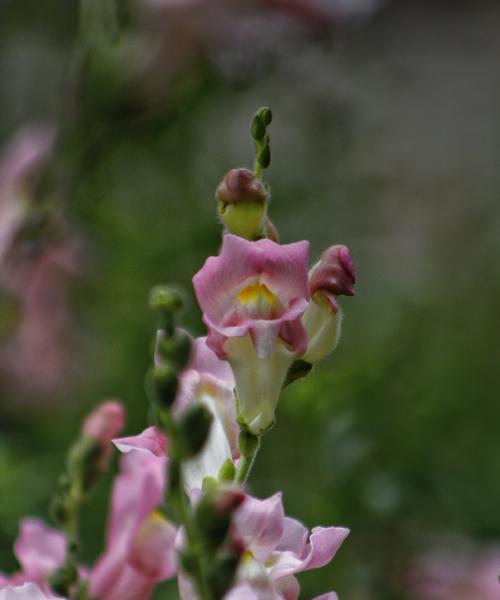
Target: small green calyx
{"x": 248, "y": 443}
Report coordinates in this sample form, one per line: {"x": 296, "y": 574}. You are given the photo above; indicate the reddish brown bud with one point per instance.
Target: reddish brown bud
{"x": 334, "y": 275}
{"x": 241, "y": 185}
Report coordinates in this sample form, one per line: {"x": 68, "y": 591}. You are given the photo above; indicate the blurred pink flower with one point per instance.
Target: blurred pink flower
{"x": 455, "y": 572}
{"x": 208, "y": 380}
{"x": 27, "y": 591}
{"x": 19, "y": 164}
{"x": 40, "y": 550}
{"x": 253, "y": 296}
{"x": 140, "y": 541}
{"x": 139, "y": 548}
{"x": 276, "y": 548}
{"x": 37, "y": 357}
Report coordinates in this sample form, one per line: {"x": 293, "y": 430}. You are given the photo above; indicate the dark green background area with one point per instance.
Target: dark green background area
{"x": 385, "y": 139}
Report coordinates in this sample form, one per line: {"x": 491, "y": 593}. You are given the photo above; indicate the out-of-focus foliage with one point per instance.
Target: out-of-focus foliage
{"x": 385, "y": 138}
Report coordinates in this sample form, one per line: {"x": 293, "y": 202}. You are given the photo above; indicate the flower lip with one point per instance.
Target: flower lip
{"x": 252, "y": 286}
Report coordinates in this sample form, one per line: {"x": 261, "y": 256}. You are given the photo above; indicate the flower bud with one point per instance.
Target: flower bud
{"x": 63, "y": 578}
{"x": 242, "y": 203}
{"x": 162, "y": 386}
{"x": 332, "y": 276}
{"x": 167, "y": 301}
{"x": 212, "y": 515}
{"x": 176, "y": 349}
{"x": 105, "y": 422}
{"x": 193, "y": 429}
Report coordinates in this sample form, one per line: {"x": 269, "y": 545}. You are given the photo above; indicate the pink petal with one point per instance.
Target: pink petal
{"x": 288, "y": 587}
{"x": 323, "y": 545}
{"x": 39, "y": 549}
{"x": 294, "y": 538}
{"x": 204, "y": 360}
{"x": 105, "y": 422}
{"x": 328, "y": 596}
{"x": 27, "y": 591}
{"x": 152, "y": 552}
{"x": 137, "y": 491}
{"x": 151, "y": 440}
{"x": 261, "y": 524}
{"x": 243, "y": 591}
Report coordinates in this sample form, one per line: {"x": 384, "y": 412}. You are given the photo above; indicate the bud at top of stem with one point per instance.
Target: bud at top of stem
{"x": 166, "y": 300}
{"x": 242, "y": 203}
{"x": 241, "y": 185}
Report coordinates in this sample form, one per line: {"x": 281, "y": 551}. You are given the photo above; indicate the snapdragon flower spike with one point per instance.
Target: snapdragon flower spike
{"x": 334, "y": 275}
{"x": 140, "y": 548}
{"x": 207, "y": 380}
{"x": 253, "y": 296}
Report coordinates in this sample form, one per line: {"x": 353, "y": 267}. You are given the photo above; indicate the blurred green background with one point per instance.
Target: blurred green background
{"x": 385, "y": 138}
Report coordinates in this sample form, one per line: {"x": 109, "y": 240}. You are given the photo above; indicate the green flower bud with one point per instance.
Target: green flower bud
{"x": 63, "y": 578}
{"x": 167, "y": 301}
{"x": 85, "y": 463}
{"x": 176, "y": 350}
{"x": 192, "y": 430}
{"x": 265, "y": 115}
{"x": 162, "y": 385}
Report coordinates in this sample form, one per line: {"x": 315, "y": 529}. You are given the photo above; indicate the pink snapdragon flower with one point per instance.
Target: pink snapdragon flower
{"x": 276, "y": 548}
{"x": 455, "y": 573}
{"x": 208, "y": 380}
{"x": 140, "y": 541}
{"x": 140, "y": 548}
{"x": 253, "y": 296}
{"x": 19, "y": 163}
{"x": 40, "y": 550}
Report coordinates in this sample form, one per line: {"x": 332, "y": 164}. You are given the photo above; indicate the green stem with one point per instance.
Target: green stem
{"x": 247, "y": 460}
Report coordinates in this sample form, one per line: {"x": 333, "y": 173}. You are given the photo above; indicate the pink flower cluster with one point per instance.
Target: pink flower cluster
{"x": 264, "y": 311}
